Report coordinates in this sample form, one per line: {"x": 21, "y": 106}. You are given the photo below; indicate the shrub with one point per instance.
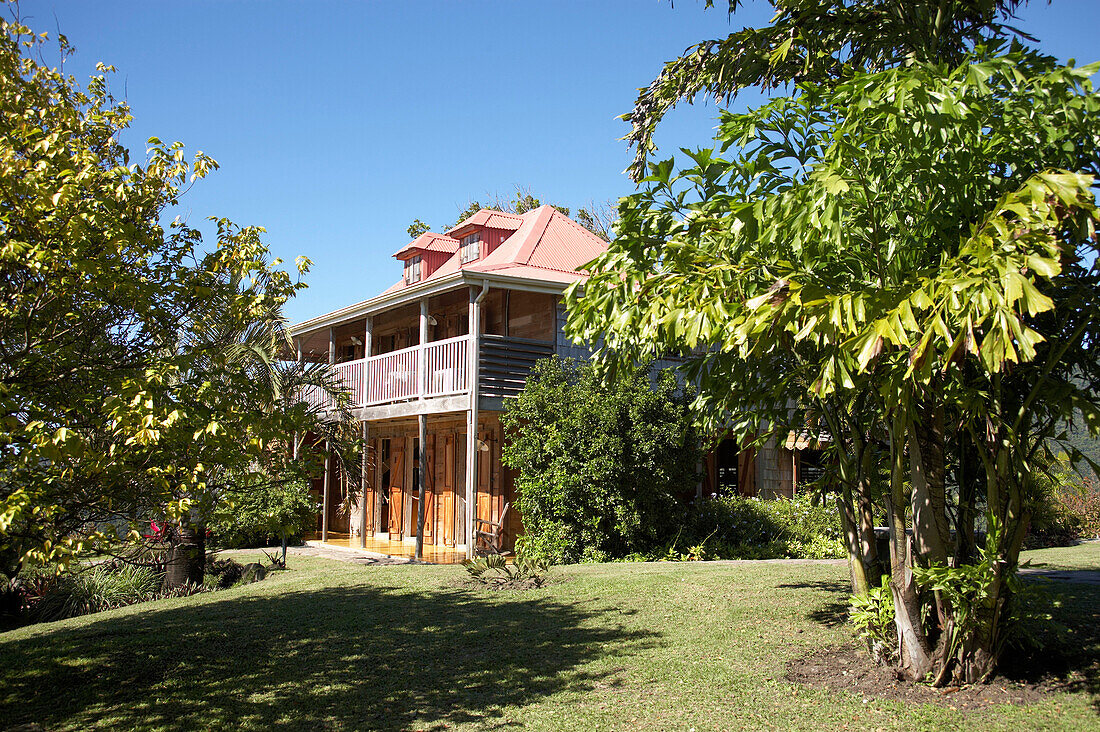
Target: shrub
{"x": 494, "y": 571}
{"x": 601, "y": 463}
{"x": 221, "y": 573}
{"x": 1069, "y": 511}
{"x": 873, "y": 616}
{"x": 262, "y": 512}
{"x": 736, "y": 527}
{"x": 102, "y": 587}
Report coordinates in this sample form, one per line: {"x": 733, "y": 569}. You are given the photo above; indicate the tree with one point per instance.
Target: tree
{"x": 598, "y": 217}
{"x": 814, "y": 41}
{"x": 908, "y": 257}
{"x": 133, "y": 354}
{"x": 416, "y": 228}
{"x": 616, "y": 490}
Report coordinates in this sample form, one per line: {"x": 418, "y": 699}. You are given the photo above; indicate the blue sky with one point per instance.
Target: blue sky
{"x": 338, "y": 123}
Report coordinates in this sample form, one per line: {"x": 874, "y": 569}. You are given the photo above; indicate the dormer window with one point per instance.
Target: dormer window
{"x": 412, "y": 270}
{"x": 471, "y": 248}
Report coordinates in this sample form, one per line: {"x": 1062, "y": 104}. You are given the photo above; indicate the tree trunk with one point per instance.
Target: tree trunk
{"x": 914, "y": 653}
{"x": 186, "y": 561}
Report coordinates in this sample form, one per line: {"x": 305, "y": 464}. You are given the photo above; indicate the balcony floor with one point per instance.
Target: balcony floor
{"x": 390, "y": 549}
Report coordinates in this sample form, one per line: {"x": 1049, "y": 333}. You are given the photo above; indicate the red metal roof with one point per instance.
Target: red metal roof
{"x": 429, "y": 242}
{"x": 490, "y": 219}
{"x": 546, "y": 246}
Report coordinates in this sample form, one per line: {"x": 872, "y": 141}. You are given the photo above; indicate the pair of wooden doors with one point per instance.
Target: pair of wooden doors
{"x": 443, "y": 509}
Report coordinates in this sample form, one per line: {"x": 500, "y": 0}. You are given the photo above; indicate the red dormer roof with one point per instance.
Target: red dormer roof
{"x": 428, "y": 242}
{"x": 489, "y": 219}
{"x": 546, "y": 246}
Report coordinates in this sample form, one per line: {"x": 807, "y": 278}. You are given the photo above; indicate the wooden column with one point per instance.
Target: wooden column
{"x": 363, "y": 483}
{"x": 422, "y": 483}
{"x": 421, "y": 360}
{"x": 367, "y": 334}
{"x": 324, "y": 495}
{"x": 331, "y": 346}
{"x": 472, "y": 415}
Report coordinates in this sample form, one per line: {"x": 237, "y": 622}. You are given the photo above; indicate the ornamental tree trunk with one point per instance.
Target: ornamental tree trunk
{"x": 186, "y": 560}
{"x": 914, "y": 652}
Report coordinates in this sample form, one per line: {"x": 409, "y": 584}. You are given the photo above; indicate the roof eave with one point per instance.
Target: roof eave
{"x": 423, "y": 289}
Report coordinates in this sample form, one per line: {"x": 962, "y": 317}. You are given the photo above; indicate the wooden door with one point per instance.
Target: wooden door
{"x": 447, "y": 497}
{"x": 397, "y": 487}
{"x": 429, "y": 490}
{"x": 484, "y": 480}
{"x": 746, "y": 472}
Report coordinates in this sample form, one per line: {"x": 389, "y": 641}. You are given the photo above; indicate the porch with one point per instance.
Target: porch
{"x": 400, "y": 550}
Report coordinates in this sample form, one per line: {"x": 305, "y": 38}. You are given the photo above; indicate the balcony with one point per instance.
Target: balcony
{"x": 390, "y": 378}
{"x": 397, "y": 376}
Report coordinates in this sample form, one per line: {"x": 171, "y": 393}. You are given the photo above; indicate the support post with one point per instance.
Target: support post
{"x": 331, "y": 346}
{"x": 472, "y": 350}
{"x": 324, "y": 494}
{"x": 363, "y": 483}
{"x": 296, "y": 437}
{"x": 422, "y": 360}
{"x": 422, "y": 484}
{"x": 367, "y": 335}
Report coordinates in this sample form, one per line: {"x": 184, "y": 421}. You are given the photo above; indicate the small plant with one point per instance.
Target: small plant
{"x": 873, "y": 616}
{"x": 102, "y": 587}
{"x": 494, "y": 571}
{"x": 222, "y": 573}
{"x": 276, "y": 560}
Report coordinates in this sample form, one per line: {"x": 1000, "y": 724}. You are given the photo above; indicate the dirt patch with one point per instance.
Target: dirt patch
{"x": 849, "y": 668}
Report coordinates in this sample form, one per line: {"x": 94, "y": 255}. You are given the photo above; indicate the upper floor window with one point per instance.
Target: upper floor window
{"x": 412, "y": 270}
{"x": 471, "y": 248}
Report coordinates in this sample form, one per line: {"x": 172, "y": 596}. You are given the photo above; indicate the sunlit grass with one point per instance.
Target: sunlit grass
{"x": 340, "y": 646}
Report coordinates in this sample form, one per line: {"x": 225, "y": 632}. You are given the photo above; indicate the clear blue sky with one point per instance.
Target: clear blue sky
{"x": 338, "y": 123}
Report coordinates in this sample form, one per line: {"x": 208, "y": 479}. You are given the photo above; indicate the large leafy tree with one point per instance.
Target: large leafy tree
{"x": 136, "y": 360}
{"x": 907, "y": 257}
{"x": 814, "y": 41}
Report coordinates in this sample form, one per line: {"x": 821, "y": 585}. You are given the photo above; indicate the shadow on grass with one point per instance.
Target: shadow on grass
{"x": 348, "y": 657}
{"x": 834, "y": 609}
{"x": 1067, "y": 652}
{"x": 1064, "y": 655}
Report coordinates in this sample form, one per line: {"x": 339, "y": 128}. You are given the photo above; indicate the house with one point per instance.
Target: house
{"x": 434, "y": 359}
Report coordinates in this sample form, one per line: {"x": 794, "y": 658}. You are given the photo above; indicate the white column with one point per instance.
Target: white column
{"x": 363, "y": 484}
{"x": 422, "y": 483}
{"x": 471, "y": 417}
{"x": 294, "y": 447}
{"x": 421, "y": 359}
{"x": 324, "y": 495}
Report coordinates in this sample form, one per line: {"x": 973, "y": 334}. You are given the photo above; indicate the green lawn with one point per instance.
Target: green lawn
{"x": 338, "y": 646}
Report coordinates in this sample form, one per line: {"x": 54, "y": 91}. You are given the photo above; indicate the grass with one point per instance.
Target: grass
{"x": 332, "y": 645}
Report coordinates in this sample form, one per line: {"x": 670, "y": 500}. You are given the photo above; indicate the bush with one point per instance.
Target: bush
{"x": 102, "y": 587}
{"x": 736, "y": 527}
{"x": 1069, "y": 511}
{"x": 873, "y": 616}
{"x": 262, "y": 512}
{"x": 221, "y": 573}
{"x": 601, "y": 464}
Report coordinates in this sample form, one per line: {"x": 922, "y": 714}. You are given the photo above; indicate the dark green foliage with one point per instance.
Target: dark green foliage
{"x": 263, "y": 513}
{"x": 735, "y": 527}
{"x": 91, "y": 590}
{"x": 494, "y": 571}
{"x": 600, "y": 463}
{"x": 222, "y": 573}
{"x": 1068, "y": 513}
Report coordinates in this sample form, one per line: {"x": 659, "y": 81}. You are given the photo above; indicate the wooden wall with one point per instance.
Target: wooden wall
{"x": 445, "y": 496}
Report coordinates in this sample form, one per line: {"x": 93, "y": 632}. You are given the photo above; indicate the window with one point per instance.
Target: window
{"x": 412, "y": 270}
{"x": 471, "y": 248}
{"x": 811, "y": 466}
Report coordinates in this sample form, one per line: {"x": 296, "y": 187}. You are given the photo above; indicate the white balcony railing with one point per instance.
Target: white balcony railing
{"x": 397, "y": 376}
